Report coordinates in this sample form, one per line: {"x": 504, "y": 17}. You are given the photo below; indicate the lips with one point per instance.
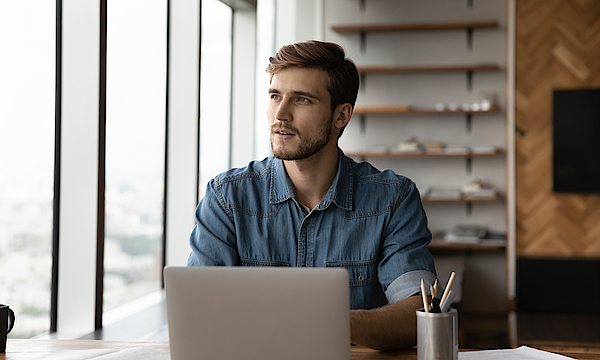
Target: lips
{"x": 284, "y": 132}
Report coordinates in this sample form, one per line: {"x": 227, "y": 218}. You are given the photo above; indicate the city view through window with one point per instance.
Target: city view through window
{"x": 27, "y": 80}
{"x": 135, "y": 148}
{"x": 135, "y": 135}
{"x": 215, "y": 91}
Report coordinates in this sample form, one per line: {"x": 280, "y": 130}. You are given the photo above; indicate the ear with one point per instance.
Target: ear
{"x": 342, "y": 115}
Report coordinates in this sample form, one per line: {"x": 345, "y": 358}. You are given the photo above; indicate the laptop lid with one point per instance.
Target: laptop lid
{"x": 258, "y": 313}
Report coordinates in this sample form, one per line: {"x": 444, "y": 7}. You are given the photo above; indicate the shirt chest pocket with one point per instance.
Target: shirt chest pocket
{"x": 361, "y": 273}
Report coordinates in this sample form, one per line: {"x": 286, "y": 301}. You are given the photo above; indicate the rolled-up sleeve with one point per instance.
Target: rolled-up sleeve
{"x": 406, "y": 259}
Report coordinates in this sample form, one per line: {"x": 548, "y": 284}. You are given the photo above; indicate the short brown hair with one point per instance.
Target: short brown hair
{"x": 343, "y": 79}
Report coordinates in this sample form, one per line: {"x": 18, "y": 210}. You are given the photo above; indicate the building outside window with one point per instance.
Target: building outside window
{"x": 135, "y": 148}
{"x": 27, "y": 95}
{"x": 215, "y": 90}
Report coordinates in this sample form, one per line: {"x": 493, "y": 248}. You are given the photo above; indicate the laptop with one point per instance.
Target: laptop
{"x": 258, "y": 313}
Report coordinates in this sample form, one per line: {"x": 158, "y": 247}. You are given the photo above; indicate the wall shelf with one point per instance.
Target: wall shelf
{"x": 422, "y": 154}
{"x": 407, "y": 110}
{"x": 460, "y": 200}
{"x": 383, "y": 69}
{"x": 401, "y": 69}
{"x": 484, "y": 245}
{"x": 415, "y": 26}
{"x": 468, "y": 25}
{"x": 401, "y": 110}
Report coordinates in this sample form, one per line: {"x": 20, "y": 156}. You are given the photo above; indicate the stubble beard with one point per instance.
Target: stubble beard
{"x": 306, "y": 148}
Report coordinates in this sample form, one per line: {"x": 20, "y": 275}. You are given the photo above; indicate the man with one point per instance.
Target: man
{"x": 310, "y": 205}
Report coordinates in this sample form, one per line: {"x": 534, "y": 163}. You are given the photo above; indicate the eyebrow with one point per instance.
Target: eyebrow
{"x": 295, "y": 92}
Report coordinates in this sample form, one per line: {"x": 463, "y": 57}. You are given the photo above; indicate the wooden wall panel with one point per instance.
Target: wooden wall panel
{"x": 557, "y": 46}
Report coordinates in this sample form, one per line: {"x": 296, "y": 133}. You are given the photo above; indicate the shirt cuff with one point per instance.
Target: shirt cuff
{"x": 409, "y": 284}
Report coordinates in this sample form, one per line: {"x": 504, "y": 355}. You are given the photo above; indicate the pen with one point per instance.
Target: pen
{"x": 424, "y": 295}
{"x": 448, "y": 286}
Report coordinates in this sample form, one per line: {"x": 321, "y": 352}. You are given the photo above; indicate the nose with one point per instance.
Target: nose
{"x": 282, "y": 111}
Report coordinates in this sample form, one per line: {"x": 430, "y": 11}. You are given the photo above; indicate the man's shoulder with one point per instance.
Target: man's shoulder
{"x": 365, "y": 172}
{"x": 255, "y": 170}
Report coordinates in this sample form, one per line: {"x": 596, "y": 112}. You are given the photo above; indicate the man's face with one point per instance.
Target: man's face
{"x": 299, "y": 113}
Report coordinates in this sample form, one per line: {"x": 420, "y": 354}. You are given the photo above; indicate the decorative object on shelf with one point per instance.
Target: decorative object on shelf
{"x": 378, "y": 149}
{"x": 485, "y": 102}
{"x": 470, "y": 234}
{"x": 409, "y": 146}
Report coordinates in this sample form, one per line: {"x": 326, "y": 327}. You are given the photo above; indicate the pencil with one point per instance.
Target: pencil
{"x": 424, "y": 294}
{"x": 448, "y": 286}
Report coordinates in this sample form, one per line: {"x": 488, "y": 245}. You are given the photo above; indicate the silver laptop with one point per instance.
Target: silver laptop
{"x": 258, "y": 313}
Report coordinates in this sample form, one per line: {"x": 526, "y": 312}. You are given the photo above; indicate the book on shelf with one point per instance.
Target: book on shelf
{"x": 466, "y": 234}
{"x": 456, "y": 149}
{"x": 443, "y": 192}
{"x": 476, "y": 189}
{"x": 481, "y": 194}
{"x": 483, "y": 150}
{"x": 435, "y": 147}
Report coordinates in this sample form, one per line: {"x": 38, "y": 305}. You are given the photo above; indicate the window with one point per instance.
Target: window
{"x": 215, "y": 90}
{"x": 135, "y": 149}
{"x": 27, "y": 96}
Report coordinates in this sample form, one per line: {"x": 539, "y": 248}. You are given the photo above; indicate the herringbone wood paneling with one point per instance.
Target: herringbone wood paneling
{"x": 557, "y": 46}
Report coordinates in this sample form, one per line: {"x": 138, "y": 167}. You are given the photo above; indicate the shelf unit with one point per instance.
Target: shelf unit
{"x": 404, "y": 110}
{"x": 411, "y": 63}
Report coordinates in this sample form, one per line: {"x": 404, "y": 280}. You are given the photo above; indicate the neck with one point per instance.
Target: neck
{"x": 313, "y": 176}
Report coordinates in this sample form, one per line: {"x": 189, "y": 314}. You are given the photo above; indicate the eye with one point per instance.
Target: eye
{"x": 303, "y": 100}
{"x": 275, "y": 97}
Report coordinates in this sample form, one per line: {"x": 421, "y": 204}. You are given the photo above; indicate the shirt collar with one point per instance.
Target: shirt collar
{"x": 281, "y": 185}
{"x": 339, "y": 193}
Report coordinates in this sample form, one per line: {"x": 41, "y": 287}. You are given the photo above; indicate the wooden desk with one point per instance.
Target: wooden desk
{"x": 31, "y": 349}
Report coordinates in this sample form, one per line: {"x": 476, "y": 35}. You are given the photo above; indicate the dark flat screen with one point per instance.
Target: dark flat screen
{"x": 576, "y": 141}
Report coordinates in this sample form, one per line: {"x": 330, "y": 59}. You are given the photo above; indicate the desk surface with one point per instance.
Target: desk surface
{"x": 31, "y": 349}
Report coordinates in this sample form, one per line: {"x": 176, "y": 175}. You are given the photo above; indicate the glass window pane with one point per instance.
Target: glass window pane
{"x": 135, "y": 148}
{"x": 27, "y": 81}
{"x": 215, "y": 90}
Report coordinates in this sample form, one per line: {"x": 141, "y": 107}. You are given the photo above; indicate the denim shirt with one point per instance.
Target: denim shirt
{"x": 370, "y": 222}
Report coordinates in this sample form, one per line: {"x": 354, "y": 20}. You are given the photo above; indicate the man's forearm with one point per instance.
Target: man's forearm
{"x": 389, "y": 327}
